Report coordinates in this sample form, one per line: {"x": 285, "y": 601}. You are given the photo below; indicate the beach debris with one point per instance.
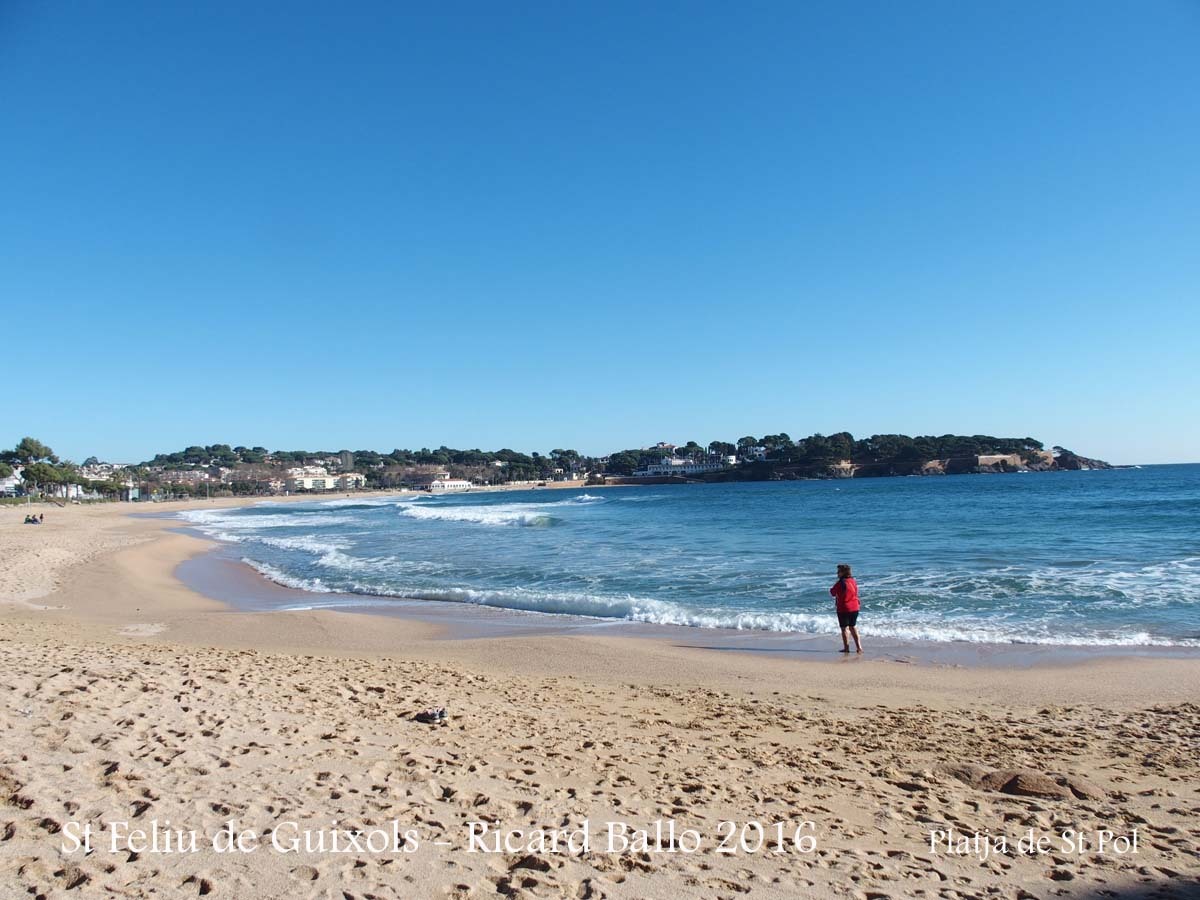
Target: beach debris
{"x": 432, "y": 716}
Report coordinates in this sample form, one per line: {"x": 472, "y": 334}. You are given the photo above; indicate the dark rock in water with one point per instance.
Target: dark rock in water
{"x": 1066, "y": 459}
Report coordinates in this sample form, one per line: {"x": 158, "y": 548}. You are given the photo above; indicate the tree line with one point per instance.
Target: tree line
{"x": 43, "y": 468}
{"x": 823, "y": 450}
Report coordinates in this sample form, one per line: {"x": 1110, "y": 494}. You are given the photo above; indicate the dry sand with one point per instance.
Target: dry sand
{"x": 128, "y": 697}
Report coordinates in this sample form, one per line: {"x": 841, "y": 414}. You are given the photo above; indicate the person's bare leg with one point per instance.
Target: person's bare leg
{"x": 857, "y": 642}
{"x": 845, "y": 640}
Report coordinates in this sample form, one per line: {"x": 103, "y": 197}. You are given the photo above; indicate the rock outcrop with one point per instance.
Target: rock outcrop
{"x": 1025, "y": 782}
{"x": 1066, "y": 459}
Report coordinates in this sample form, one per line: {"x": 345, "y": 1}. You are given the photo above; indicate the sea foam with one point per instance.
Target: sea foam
{"x": 521, "y": 514}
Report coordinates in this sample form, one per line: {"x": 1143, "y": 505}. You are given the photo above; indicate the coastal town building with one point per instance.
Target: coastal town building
{"x": 185, "y": 476}
{"x": 674, "y": 466}
{"x": 310, "y": 482}
{"x": 11, "y": 485}
{"x": 443, "y": 483}
{"x": 307, "y": 471}
{"x": 348, "y": 481}
{"x": 100, "y": 471}
{"x": 425, "y": 481}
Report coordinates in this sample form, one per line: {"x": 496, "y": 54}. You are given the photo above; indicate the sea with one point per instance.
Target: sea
{"x": 1087, "y": 558}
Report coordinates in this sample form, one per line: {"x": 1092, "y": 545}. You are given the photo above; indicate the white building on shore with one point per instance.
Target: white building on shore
{"x": 308, "y": 471}
{"x": 349, "y": 481}
{"x": 682, "y": 467}
{"x": 10, "y": 485}
{"x": 101, "y": 471}
{"x": 443, "y": 484}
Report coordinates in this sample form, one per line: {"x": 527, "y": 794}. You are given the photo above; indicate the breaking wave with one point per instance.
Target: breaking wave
{"x": 521, "y": 514}
{"x": 227, "y": 519}
{"x": 652, "y": 611}
{"x": 482, "y": 515}
{"x": 352, "y": 503}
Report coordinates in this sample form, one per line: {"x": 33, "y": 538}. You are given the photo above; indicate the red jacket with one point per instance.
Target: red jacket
{"x": 846, "y": 594}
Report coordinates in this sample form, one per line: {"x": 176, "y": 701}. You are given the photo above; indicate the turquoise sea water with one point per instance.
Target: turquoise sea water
{"x": 1083, "y": 558}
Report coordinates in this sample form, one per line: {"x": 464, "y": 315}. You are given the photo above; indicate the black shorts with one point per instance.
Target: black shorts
{"x": 848, "y": 619}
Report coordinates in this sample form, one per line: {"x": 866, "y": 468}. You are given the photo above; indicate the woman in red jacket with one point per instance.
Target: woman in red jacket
{"x": 845, "y": 592}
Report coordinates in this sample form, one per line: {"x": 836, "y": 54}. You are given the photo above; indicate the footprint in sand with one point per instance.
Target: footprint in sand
{"x": 142, "y": 629}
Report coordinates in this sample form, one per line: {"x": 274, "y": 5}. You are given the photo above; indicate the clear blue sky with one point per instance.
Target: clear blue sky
{"x": 600, "y": 225}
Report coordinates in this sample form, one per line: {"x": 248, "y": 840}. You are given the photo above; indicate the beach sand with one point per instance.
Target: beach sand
{"x": 128, "y": 697}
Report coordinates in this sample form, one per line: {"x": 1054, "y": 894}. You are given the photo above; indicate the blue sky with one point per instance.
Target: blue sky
{"x": 598, "y": 226}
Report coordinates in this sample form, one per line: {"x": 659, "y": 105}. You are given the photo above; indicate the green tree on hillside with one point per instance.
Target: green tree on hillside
{"x": 841, "y": 445}
{"x": 30, "y": 450}
{"x": 623, "y": 463}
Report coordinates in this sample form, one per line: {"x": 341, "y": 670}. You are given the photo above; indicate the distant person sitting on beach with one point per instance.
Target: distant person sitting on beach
{"x": 845, "y": 592}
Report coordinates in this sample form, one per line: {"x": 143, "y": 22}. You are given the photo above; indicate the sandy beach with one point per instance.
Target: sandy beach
{"x": 130, "y": 698}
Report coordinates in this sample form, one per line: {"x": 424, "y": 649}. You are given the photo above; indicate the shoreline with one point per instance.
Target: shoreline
{"x": 163, "y": 545}
{"x": 224, "y": 576}
{"x": 128, "y": 690}
{"x": 218, "y": 575}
